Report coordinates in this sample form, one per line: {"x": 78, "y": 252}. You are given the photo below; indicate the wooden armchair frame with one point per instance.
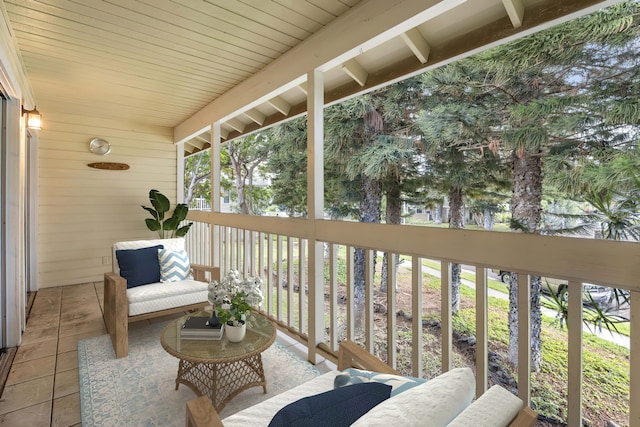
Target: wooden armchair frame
{"x": 116, "y": 306}
{"x": 200, "y": 411}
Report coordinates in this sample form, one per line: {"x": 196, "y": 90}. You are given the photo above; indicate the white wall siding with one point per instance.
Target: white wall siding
{"x": 82, "y": 211}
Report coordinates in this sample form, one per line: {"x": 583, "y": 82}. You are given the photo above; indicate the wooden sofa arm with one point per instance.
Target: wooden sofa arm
{"x": 199, "y": 272}
{"x": 116, "y": 312}
{"x": 351, "y": 355}
{"x": 527, "y": 417}
{"x": 200, "y": 413}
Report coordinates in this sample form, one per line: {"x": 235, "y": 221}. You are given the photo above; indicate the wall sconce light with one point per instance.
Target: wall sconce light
{"x": 34, "y": 118}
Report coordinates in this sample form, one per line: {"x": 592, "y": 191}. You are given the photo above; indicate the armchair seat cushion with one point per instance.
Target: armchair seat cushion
{"x": 164, "y": 295}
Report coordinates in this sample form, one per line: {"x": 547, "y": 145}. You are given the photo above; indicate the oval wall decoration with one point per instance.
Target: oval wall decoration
{"x": 109, "y": 166}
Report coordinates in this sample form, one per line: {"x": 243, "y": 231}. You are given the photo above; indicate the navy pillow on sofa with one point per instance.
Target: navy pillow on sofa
{"x": 334, "y": 408}
{"x": 139, "y": 266}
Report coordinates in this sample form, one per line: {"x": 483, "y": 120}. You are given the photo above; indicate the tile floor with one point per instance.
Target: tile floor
{"x": 43, "y": 386}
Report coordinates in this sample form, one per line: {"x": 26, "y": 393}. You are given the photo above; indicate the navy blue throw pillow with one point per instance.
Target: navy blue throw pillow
{"x": 139, "y": 266}
{"x": 334, "y": 408}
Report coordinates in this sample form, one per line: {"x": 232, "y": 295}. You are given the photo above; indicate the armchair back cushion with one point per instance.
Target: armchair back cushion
{"x": 176, "y": 244}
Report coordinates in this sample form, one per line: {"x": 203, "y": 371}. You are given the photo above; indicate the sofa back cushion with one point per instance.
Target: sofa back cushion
{"x": 435, "y": 403}
{"x": 497, "y": 407}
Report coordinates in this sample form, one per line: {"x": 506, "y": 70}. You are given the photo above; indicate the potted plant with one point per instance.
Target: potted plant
{"x": 169, "y": 227}
{"x": 232, "y": 299}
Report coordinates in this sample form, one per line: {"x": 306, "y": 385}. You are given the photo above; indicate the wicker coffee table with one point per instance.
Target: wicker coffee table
{"x": 220, "y": 369}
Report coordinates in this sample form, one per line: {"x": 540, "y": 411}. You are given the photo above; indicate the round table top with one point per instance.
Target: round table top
{"x": 261, "y": 333}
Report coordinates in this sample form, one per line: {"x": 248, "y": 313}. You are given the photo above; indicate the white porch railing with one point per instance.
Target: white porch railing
{"x": 322, "y": 315}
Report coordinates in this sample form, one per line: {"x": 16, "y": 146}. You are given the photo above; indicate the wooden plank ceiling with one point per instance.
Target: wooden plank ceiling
{"x": 158, "y": 62}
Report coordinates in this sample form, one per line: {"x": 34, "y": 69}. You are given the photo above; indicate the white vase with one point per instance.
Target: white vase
{"x": 235, "y": 333}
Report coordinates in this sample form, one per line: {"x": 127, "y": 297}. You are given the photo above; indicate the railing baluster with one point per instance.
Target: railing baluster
{"x": 290, "y": 284}
{"x": 368, "y": 299}
{"x": 232, "y": 254}
{"x": 524, "y": 338}
{"x": 333, "y": 292}
{"x": 350, "y": 294}
{"x": 279, "y": 301}
{"x": 445, "y": 315}
{"x": 574, "y": 326}
{"x": 302, "y": 285}
{"x": 269, "y": 274}
{"x": 482, "y": 334}
{"x": 392, "y": 270}
{"x": 416, "y": 316}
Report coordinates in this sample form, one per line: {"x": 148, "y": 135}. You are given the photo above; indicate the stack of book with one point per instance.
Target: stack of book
{"x": 202, "y": 328}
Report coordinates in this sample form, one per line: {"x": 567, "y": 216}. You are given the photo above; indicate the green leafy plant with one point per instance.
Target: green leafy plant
{"x": 169, "y": 227}
{"x": 234, "y": 297}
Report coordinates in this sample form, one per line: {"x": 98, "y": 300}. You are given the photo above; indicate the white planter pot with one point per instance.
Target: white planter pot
{"x": 235, "y": 333}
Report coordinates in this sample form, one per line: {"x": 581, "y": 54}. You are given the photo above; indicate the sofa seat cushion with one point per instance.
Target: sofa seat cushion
{"x": 162, "y": 296}
{"x": 261, "y": 414}
{"x": 435, "y": 403}
{"x": 497, "y": 407}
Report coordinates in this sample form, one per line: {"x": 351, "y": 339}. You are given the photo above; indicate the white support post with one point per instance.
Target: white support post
{"x": 215, "y": 192}
{"x": 315, "y": 208}
{"x": 416, "y": 316}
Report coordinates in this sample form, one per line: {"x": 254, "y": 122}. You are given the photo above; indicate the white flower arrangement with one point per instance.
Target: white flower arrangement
{"x": 233, "y": 297}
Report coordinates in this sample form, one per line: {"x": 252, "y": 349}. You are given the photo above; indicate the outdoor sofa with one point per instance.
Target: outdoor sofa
{"x": 445, "y": 400}
{"x": 154, "y": 284}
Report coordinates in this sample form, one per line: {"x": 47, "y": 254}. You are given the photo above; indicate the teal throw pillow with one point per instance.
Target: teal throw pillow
{"x": 399, "y": 383}
{"x": 174, "y": 265}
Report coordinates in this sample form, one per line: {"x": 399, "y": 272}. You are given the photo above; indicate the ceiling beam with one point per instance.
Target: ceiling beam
{"x": 515, "y": 10}
{"x": 224, "y": 133}
{"x": 197, "y": 142}
{"x": 236, "y": 124}
{"x": 255, "y": 116}
{"x": 418, "y": 45}
{"x": 280, "y": 104}
{"x": 355, "y": 71}
{"x": 303, "y": 88}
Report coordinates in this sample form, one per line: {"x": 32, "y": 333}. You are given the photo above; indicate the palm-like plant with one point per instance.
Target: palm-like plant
{"x": 169, "y": 227}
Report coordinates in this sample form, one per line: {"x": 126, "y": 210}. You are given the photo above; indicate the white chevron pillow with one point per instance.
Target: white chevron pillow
{"x": 174, "y": 265}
